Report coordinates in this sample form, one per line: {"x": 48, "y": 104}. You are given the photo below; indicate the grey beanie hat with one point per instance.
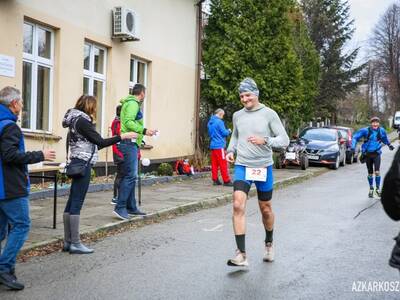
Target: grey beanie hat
{"x": 249, "y": 85}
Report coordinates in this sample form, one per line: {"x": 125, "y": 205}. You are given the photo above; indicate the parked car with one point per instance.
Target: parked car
{"x": 325, "y": 146}
{"x": 396, "y": 120}
{"x": 347, "y": 134}
{"x": 294, "y": 154}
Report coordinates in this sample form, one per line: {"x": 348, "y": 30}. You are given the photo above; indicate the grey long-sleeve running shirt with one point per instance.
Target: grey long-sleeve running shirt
{"x": 262, "y": 122}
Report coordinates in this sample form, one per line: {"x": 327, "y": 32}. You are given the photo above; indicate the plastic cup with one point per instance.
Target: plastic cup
{"x": 145, "y": 162}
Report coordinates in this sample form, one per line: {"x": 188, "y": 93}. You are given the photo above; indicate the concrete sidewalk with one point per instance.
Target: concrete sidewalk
{"x": 158, "y": 201}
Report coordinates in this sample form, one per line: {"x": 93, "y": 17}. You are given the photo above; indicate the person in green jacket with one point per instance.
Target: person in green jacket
{"x": 131, "y": 121}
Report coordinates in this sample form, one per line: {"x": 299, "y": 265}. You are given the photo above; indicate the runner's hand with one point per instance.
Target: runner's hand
{"x": 391, "y": 147}
{"x": 256, "y": 140}
{"x": 230, "y": 157}
{"x": 49, "y": 155}
{"x": 129, "y": 135}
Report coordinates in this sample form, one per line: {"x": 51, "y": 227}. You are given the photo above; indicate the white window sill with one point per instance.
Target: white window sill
{"x": 40, "y": 135}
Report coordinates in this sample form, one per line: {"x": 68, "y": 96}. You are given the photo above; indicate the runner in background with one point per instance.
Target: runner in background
{"x": 374, "y": 136}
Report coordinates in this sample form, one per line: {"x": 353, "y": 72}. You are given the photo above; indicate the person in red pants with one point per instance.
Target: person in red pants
{"x": 218, "y": 134}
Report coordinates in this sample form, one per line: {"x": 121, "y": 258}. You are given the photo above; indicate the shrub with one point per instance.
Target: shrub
{"x": 165, "y": 169}
{"x": 92, "y": 174}
{"x": 200, "y": 159}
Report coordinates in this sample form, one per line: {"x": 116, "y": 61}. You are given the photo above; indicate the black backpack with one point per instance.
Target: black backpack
{"x": 390, "y": 197}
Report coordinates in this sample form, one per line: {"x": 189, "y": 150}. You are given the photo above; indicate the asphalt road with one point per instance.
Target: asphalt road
{"x": 322, "y": 252}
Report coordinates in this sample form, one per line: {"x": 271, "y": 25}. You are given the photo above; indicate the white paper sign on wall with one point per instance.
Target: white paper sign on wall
{"x": 7, "y": 66}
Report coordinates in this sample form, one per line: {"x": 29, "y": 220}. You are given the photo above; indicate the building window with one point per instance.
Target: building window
{"x": 37, "y": 76}
{"x": 94, "y": 77}
{"x": 138, "y": 74}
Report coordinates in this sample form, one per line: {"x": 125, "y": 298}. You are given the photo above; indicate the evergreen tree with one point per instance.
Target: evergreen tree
{"x": 309, "y": 59}
{"x": 330, "y": 28}
{"x": 254, "y": 38}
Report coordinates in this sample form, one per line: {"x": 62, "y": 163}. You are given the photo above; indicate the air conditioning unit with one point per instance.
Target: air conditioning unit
{"x": 125, "y": 24}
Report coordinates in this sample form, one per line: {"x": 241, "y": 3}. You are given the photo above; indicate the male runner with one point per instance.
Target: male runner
{"x": 374, "y": 136}
{"x": 256, "y": 129}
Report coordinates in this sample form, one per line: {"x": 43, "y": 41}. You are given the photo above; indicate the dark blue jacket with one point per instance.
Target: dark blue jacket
{"x": 14, "y": 179}
{"x": 372, "y": 144}
{"x": 217, "y": 133}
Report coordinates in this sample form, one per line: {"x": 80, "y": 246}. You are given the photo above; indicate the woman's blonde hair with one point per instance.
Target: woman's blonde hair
{"x": 87, "y": 104}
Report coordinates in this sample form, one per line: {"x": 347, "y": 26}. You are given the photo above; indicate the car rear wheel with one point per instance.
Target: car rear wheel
{"x": 343, "y": 162}
{"x": 278, "y": 162}
{"x": 349, "y": 158}
{"x": 304, "y": 162}
{"x": 336, "y": 165}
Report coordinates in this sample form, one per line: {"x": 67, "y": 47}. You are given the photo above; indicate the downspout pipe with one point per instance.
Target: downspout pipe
{"x": 198, "y": 72}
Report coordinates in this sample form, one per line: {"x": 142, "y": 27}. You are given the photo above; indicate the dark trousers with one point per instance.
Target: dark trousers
{"x": 126, "y": 193}
{"x": 14, "y": 212}
{"x": 79, "y": 188}
{"x": 373, "y": 162}
{"x": 117, "y": 179}
{"x": 394, "y": 260}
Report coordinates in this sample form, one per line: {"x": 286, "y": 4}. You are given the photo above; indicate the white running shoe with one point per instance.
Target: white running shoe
{"x": 269, "y": 253}
{"x": 239, "y": 260}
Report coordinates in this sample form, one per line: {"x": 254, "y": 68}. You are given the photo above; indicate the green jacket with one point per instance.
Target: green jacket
{"x": 129, "y": 123}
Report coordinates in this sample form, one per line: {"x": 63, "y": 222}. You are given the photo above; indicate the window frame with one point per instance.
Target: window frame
{"x": 92, "y": 76}
{"x": 35, "y": 60}
{"x": 136, "y": 62}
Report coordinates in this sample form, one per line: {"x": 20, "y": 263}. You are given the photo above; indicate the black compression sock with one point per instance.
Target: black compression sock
{"x": 268, "y": 236}
{"x": 240, "y": 242}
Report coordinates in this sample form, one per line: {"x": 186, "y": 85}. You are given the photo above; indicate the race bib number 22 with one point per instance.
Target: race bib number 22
{"x": 256, "y": 174}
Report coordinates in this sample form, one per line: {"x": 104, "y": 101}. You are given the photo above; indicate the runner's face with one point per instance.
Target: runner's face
{"x": 375, "y": 125}
{"x": 249, "y": 100}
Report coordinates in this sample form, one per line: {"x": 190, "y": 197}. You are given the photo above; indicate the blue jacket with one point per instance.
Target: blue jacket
{"x": 217, "y": 133}
{"x": 372, "y": 144}
{"x": 14, "y": 178}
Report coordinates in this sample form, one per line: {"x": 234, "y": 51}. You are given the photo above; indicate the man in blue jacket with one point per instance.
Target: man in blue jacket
{"x": 218, "y": 134}
{"x": 14, "y": 184}
{"x": 374, "y": 136}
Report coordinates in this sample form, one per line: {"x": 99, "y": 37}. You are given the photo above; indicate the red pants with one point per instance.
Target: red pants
{"x": 218, "y": 160}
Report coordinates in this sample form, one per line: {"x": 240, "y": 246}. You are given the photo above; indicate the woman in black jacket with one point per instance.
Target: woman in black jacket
{"x": 84, "y": 142}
